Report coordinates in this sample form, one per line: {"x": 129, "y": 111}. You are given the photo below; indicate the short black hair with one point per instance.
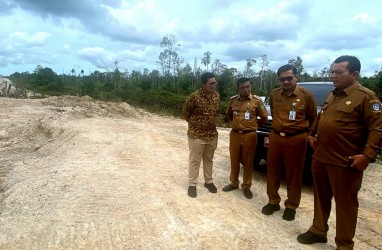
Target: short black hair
{"x": 206, "y": 76}
{"x": 242, "y": 80}
{"x": 353, "y": 63}
{"x": 287, "y": 67}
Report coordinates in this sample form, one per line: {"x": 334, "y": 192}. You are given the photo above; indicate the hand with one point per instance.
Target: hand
{"x": 312, "y": 141}
{"x": 360, "y": 162}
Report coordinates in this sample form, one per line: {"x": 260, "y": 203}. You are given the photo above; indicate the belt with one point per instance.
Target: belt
{"x": 285, "y": 134}
{"x": 243, "y": 131}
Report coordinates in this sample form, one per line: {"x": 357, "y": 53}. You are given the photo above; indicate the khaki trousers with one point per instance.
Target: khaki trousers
{"x": 286, "y": 153}
{"x": 343, "y": 183}
{"x": 201, "y": 149}
{"x": 242, "y": 148}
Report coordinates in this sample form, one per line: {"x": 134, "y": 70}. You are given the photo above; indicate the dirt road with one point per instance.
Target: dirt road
{"x": 81, "y": 174}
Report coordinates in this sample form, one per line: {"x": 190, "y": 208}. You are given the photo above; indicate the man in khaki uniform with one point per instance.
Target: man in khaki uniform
{"x": 200, "y": 111}
{"x": 293, "y": 110}
{"x": 243, "y": 112}
{"x": 345, "y": 138}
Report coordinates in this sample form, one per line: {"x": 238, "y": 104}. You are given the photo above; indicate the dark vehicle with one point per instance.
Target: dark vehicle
{"x": 320, "y": 91}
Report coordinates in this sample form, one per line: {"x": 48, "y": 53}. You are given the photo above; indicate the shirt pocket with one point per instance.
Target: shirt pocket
{"x": 254, "y": 110}
{"x": 324, "y": 107}
{"x": 345, "y": 112}
{"x": 235, "y": 110}
{"x": 279, "y": 109}
{"x": 300, "y": 108}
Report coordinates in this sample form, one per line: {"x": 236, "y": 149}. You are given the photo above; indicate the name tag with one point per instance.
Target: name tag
{"x": 292, "y": 115}
{"x": 247, "y": 116}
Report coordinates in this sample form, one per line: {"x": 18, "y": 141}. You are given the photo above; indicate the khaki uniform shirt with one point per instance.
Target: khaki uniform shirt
{"x": 201, "y": 114}
{"x": 301, "y": 101}
{"x": 349, "y": 123}
{"x": 237, "y": 108}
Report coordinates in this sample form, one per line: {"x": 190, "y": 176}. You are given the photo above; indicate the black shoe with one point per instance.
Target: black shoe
{"x": 228, "y": 187}
{"x": 211, "y": 187}
{"x": 247, "y": 193}
{"x": 289, "y": 214}
{"x": 311, "y": 238}
{"x": 270, "y": 208}
{"x": 192, "y": 191}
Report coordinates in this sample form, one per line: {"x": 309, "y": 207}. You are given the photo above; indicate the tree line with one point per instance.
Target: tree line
{"x": 165, "y": 90}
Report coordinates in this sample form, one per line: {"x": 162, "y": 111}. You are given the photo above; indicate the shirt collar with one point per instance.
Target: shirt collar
{"x": 347, "y": 91}
{"x": 250, "y": 97}
{"x": 295, "y": 91}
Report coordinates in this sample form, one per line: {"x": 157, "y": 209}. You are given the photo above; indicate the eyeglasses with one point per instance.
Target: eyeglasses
{"x": 212, "y": 83}
{"x": 288, "y": 78}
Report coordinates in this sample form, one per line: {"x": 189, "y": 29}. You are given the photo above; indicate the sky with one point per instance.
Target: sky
{"x": 92, "y": 35}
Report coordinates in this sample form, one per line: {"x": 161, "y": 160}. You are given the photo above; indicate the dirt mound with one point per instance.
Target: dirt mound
{"x": 82, "y": 107}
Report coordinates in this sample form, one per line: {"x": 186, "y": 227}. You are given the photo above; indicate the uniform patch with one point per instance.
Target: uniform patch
{"x": 376, "y": 107}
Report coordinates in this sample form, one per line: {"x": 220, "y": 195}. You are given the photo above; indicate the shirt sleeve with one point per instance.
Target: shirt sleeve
{"x": 187, "y": 109}
{"x": 373, "y": 123}
{"x": 312, "y": 111}
{"x": 229, "y": 111}
{"x": 262, "y": 110}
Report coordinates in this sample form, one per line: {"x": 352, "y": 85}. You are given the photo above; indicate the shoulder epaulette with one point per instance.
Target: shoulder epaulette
{"x": 304, "y": 90}
{"x": 257, "y": 97}
{"x": 233, "y": 97}
{"x": 369, "y": 92}
{"x": 276, "y": 89}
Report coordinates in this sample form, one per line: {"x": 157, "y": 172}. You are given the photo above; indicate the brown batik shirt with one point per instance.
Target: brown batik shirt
{"x": 201, "y": 114}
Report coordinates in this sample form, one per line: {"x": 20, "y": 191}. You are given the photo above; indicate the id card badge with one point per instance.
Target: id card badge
{"x": 247, "y": 116}
{"x": 292, "y": 115}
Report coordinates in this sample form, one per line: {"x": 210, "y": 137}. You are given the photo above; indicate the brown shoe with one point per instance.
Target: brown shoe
{"x": 289, "y": 214}
{"x": 247, "y": 193}
{"x": 192, "y": 191}
{"x": 311, "y": 238}
{"x": 270, "y": 208}
{"x": 228, "y": 188}
{"x": 211, "y": 187}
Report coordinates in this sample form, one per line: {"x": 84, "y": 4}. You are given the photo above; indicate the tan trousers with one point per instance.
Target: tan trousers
{"x": 343, "y": 183}
{"x": 201, "y": 149}
{"x": 286, "y": 153}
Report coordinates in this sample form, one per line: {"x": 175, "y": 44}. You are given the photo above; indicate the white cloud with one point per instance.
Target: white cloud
{"x": 95, "y": 32}
{"x": 362, "y": 17}
{"x": 23, "y": 38}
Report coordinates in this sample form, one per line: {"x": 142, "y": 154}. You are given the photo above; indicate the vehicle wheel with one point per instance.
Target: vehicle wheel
{"x": 256, "y": 161}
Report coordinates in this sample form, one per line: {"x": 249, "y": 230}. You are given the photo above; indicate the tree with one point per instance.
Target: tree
{"x": 298, "y": 64}
{"x": 248, "y": 71}
{"x": 324, "y": 75}
{"x": 217, "y": 67}
{"x": 186, "y": 79}
{"x": 206, "y": 60}
{"x": 378, "y": 83}
{"x": 169, "y": 59}
{"x": 45, "y": 79}
{"x": 263, "y": 67}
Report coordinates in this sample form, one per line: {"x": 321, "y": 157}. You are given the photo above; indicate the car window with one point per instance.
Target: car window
{"x": 320, "y": 91}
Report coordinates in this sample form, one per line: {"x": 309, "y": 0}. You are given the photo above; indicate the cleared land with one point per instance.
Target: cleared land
{"x": 80, "y": 174}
